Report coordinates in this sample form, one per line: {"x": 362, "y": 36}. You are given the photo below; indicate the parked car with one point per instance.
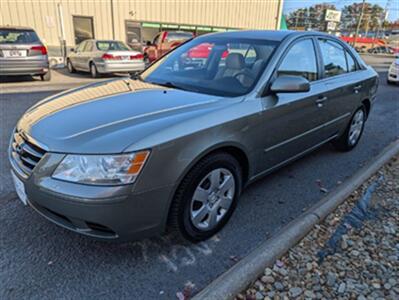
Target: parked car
{"x": 22, "y": 53}
{"x": 393, "y": 72}
{"x": 381, "y": 50}
{"x": 163, "y": 42}
{"x": 104, "y": 56}
{"x": 361, "y": 49}
{"x": 126, "y": 158}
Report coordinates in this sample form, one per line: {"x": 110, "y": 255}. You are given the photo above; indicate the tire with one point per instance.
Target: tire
{"x": 70, "y": 67}
{"x": 93, "y": 70}
{"x": 184, "y": 206}
{"x": 46, "y": 77}
{"x": 350, "y": 138}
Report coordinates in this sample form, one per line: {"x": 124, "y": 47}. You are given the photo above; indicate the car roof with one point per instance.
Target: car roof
{"x": 16, "y": 27}
{"x": 274, "y": 35}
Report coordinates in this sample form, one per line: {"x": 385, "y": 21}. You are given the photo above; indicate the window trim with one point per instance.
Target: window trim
{"x": 274, "y": 75}
{"x": 346, "y": 50}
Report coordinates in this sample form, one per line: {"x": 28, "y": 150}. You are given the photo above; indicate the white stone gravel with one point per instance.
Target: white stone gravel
{"x": 366, "y": 265}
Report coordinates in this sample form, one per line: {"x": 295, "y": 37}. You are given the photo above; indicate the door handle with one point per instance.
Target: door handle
{"x": 357, "y": 88}
{"x": 321, "y": 100}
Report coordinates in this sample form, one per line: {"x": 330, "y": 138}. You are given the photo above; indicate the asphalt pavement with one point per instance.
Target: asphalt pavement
{"x": 39, "y": 260}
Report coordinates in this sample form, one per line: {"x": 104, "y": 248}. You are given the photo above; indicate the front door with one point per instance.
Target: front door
{"x": 292, "y": 122}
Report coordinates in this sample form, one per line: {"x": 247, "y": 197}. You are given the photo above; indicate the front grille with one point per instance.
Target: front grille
{"x": 24, "y": 155}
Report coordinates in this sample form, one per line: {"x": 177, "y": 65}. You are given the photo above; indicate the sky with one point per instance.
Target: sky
{"x": 290, "y": 5}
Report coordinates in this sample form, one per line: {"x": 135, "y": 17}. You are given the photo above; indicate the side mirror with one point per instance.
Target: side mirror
{"x": 290, "y": 84}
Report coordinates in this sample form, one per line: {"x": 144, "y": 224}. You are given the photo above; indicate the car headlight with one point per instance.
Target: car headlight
{"x": 101, "y": 169}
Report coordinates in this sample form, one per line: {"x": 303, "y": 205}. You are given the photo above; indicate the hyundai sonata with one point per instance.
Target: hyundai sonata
{"x": 175, "y": 146}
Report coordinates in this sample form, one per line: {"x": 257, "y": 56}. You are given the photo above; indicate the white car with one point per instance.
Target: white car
{"x": 393, "y": 72}
{"x": 104, "y": 56}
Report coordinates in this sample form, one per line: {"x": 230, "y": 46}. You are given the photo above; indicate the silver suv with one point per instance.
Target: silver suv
{"x": 22, "y": 53}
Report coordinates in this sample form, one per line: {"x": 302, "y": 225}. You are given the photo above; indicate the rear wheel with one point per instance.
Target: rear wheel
{"x": 93, "y": 70}
{"x": 207, "y": 197}
{"x": 353, "y": 132}
{"x": 46, "y": 77}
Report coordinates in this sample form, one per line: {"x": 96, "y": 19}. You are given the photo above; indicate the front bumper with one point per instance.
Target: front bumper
{"x": 24, "y": 66}
{"x": 122, "y": 67}
{"x": 103, "y": 212}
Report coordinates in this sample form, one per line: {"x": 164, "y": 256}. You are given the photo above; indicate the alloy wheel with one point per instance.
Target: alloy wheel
{"x": 356, "y": 127}
{"x": 212, "y": 199}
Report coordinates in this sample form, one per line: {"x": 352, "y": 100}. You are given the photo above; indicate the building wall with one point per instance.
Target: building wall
{"x": 43, "y": 15}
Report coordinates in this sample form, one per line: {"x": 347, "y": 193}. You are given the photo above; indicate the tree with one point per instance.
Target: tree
{"x": 373, "y": 16}
{"x": 309, "y": 18}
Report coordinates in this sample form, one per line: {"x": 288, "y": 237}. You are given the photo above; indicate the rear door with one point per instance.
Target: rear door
{"x": 86, "y": 55}
{"x": 341, "y": 83}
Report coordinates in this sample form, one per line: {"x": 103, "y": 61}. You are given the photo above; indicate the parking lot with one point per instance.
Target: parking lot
{"x": 39, "y": 258}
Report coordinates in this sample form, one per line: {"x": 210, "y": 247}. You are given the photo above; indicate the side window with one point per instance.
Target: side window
{"x": 250, "y": 56}
{"x": 300, "y": 61}
{"x": 81, "y": 46}
{"x": 89, "y": 47}
{"x": 333, "y": 57}
{"x": 351, "y": 63}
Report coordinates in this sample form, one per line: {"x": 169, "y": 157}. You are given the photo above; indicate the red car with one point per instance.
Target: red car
{"x": 164, "y": 42}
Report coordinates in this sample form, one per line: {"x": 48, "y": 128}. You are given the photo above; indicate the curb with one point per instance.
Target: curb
{"x": 246, "y": 271}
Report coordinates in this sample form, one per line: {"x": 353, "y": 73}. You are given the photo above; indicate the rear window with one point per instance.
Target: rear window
{"x": 18, "y": 36}
{"x": 111, "y": 45}
{"x": 178, "y": 36}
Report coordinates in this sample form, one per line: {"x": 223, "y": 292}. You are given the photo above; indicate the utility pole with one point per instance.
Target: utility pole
{"x": 359, "y": 22}
{"x": 382, "y": 21}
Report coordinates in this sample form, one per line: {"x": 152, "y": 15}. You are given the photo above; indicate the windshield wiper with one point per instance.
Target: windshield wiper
{"x": 172, "y": 85}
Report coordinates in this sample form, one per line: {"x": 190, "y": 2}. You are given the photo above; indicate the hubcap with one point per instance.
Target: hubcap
{"x": 212, "y": 199}
{"x": 93, "y": 70}
{"x": 356, "y": 127}
{"x": 69, "y": 66}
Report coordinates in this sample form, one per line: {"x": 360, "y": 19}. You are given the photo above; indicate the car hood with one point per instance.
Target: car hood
{"x": 110, "y": 116}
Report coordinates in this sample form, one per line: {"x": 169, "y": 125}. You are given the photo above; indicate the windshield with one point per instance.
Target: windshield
{"x": 111, "y": 46}
{"x": 18, "y": 36}
{"x": 211, "y": 65}
{"x": 179, "y": 36}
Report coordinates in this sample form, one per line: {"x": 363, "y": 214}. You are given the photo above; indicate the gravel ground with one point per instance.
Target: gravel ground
{"x": 366, "y": 263}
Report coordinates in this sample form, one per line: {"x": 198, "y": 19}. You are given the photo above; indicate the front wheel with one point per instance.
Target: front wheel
{"x": 207, "y": 197}
{"x": 70, "y": 67}
{"x": 353, "y": 132}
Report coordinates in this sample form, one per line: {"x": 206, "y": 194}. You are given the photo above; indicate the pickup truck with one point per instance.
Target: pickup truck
{"x": 163, "y": 42}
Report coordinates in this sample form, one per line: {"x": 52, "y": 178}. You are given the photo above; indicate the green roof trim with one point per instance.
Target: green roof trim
{"x": 151, "y": 25}
{"x": 204, "y": 28}
{"x": 173, "y": 26}
{"x": 219, "y": 29}
{"x": 187, "y": 27}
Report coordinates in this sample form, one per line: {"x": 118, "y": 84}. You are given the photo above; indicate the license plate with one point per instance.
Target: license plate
{"x": 20, "y": 189}
{"x": 125, "y": 57}
{"x": 14, "y": 53}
